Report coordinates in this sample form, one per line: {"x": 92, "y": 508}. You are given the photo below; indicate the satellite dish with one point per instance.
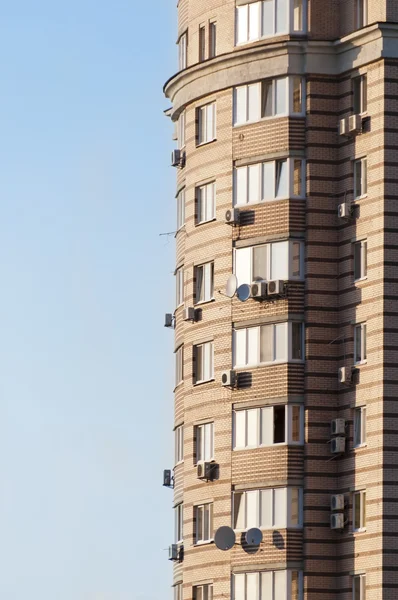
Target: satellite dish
{"x": 243, "y": 292}
{"x": 230, "y": 288}
{"x": 254, "y": 537}
{"x": 224, "y": 538}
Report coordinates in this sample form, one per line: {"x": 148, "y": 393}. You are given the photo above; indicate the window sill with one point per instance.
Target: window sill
{"x": 202, "y": 302}
{"x": 206, "y": 143}
{"x": 204, "y": 222}
{"x": 274, "y": 528}
{"x": 262, "y": 202}
{"x": 284, "y": 115}
{"x": 178, "y": 385}
{"x": 269, "y": 364}
{"x": 266, "y": 38}
{"x": 262, "y": 446}
{"x": 360, "y": 363}
{"x": 360, "y": 446}
{"x": 197, "y": 383}
{"x": 203, "y": 543}
{"x": 180, "y": 462}
{"x": 361, "y": 530}
{"x": 201, "y": 462}
{"x": 359, "y": 198}
{"x": 360, "y": 280}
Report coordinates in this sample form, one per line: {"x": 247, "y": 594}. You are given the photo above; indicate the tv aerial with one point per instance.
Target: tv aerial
{"x": 254, "y": 537}
{"x": 231, "y": 287}
{"x": 224, "y": 538}
{"x": 243, "y": 292}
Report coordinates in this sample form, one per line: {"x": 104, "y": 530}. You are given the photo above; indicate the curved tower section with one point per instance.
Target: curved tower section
{"x": 281, "y": 400}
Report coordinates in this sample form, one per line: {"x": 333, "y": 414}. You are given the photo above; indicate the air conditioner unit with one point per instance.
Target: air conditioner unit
{"x": 173, "y": 552}
{"x": 337, "y": 521}
{"x": 337, "y": 445}
{"x": 259, "y": 290}
{"x": 167, "y": 478}
{"x": 276, "y": 288}
{"x": 355, "y": 124}
{"x": 343, "y": 126}
{"x": 228, "y": 378}
{"x": 337, "y": 502}
{"x": 232, "y": 216}
{"x": 176, "y": 158}
{"x": 337, "y": 427}
{"x": 189, "y": 314}
{"x": 168, "y": 320}
{"x": 345, "y": 375}
{"x": 205, "y": 471}
{"x": 344, "y": 210}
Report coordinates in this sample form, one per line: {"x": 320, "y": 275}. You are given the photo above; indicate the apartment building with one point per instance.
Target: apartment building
{"x": 286, "y": 416}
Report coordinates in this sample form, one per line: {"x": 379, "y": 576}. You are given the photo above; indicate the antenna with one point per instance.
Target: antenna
{"x": 224, "y": 538}
{"x": 254, "y": 537}
{"x": 230, "y": 288}
{"x": 243, "y": 292}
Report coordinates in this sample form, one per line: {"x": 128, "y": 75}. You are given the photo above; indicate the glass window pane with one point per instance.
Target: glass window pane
{"x": 251, "y": 509}
{"x": 266, "y": 99}
{"x": 240, "y": 105}
{"x": 253, "y": 93}
{"x": 357, "y": 511}
{"x": 260, "y": 254}
{"x": 357, "y": 426}
{"x": 358, "y": 178}
{"x": 296, "y": 259}
{"x": 364, "y": 176}
{"x": 252, "y": 345}
{"x": 281, "y": 96}
{"x": 357, "y": 260}
{"x": 268, "y": 17}
{"x": 280, "y": 586}
{"x": 267, "y": 586}
{"x": 296, "y": 425}
{"x": 240, "y": 185}
{"x": 239, "y": 510}
{"x": 199, "y": 593}
{"x": 240, "y": 347}
{"x": 294, "y": 514}
{"x": 281, "y": 186}
{"x": 356, "y": 89}
{"x": 268, "y": 192}
{"x": 358, "y": 340}
{"x": 297, "y": 341}
{"x": 239, "y": 587}
{"x": 210, "y": 111}
{"x": 266, "y": 508}
{"x": 254, "y": 183}
{"x": 242, "y": 24}
{"x": 212, "y": 39}
{"x": 267, "y": 426}
{"x": 208, "y": 281}
{"x": 364, "y": 259}
{"x": 298, "y": 178}
{"x": 199, "y": 444}
{"x": 254, "y": 20}
{"x": 280, "y": 352}
{"x": 266, "y": 344}
{"x": 202, "y": 43}
{"x": 208, "y": 441}
{"x": 252, "y": 587}
{"x": 199, "y": 523}
{"x": 281, "y": 15}
{"x": 199, "y": 363}
{"x": 363, "y": 435}
{"x": 363, "y": 499}
{"x": 243, "y": 269}
{"x": 297, "y": 95}
{"x": 357, "y": 588}
{"x": 199, "y": 284}
{"x": 295, "y": 585}
{"x": 240, "y": 429}
{"x": 279, "y": 424}
{"x": 252, "y": 427}
{"x": 298, "y": 21}
{"x": 280, "y": 260}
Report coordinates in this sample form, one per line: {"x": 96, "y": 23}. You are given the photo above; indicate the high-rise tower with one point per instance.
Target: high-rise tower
{"x": 286, "y": 412}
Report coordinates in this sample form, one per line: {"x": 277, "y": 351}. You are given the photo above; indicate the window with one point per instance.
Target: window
{"x": 278, "y": 260}
{"x": 212, "y": 39}
{"x": 359, "y": 426}
{"x": 206, "y": 123}
{"x": 359, "y": 511}
{"x": 360, "y": 343}
{"x": 359, "y": 587}
{"x": 267, "y": 344}
{"x": 203, "y": 592}
{"x": 362, "y": 13}
{"x": 360, "y": 95}
{"x": 179, "y": 365}
{"x": 267, "y": 18}
{"x": 179, "y": 444}
{"x": 204, "y": 287}
{"x": 204, "y": 442}
{"x": 269, "y": 425}
{"x": 202, "y": 43}
{"x": 271, "y": 180}
{"x": 179, "y": 287}
{"x": 268, "y": 509}
{"x": 182, "y": 52}
{"x": 360, "y": 178}
{"x": 204, "y": 357}
{"x": 268, "y": 585}
{"x": 181, "y": 130}
{"x": 206, "y": 201}
{"x": 360, "y": 260}
{"x": 204, "y": 523}
{"x": 268, "y": 98}
{"x": 178, "y": 591}
{"x": 179, "y": 523}
{"x": 180, "y": 209}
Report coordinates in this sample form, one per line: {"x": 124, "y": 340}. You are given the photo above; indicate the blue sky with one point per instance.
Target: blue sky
{"x": 86, "y": 367}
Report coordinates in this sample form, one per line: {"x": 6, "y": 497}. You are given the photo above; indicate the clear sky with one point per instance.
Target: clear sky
{"x": 86, "y": 367}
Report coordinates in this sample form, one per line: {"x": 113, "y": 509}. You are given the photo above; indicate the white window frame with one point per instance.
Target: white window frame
{"x": 361, "y": 189}
{"x": 204, "y": 283}
{"x": 359, "y": 427}
{"x": 179, "y": 286}
{"x": 179, "y": 444}
{"x": 245, "y": 11}
{"x": 362, "y": 508}
{"x": 362, "y": 264}
{"x": 253, "y": 334}
{"x": 204, "y": 452}
{"x": 202, "y": 49}
{"x": 360, "y": 94}
{"x": 178, "y": 594}
{"x": 180, "y": 209}
{"x": 203, "y": 592}
{"x": 181, "y": 130}
{"x": 256, "y": 91}
{"x": 359, "y": 580}
{"x": 257, "y": 520}
{"x": 256, "y": 416}
{"x": 179, "y": 523}
{"x": 179, "y": 373}
{"x": 206, "y": 351}
{"x": 362, "y": 16}
{"x": 206, "y": 202}
{"x": 247, "y": 255}
{"x": 360, "y": 351}
{"x": 183, "y": 52}
{"x": 203, "y": 536}
{"x": 265, "y": 175}
{"x": 212, "y": 39}
{"x": 206, "y": 119}
{"x": 266, "y": 584}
